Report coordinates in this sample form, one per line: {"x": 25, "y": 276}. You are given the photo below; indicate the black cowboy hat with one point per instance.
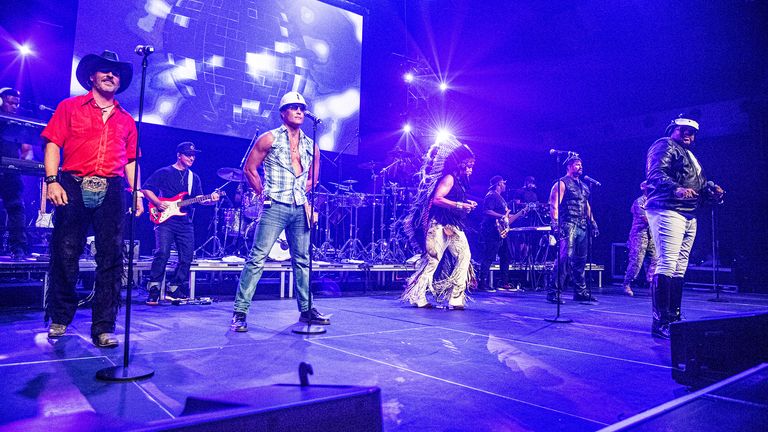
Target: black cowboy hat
{"x": 92, "y": 62}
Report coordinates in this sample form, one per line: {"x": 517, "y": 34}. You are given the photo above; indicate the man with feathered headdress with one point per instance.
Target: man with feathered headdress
{"x": 436, "y": 223}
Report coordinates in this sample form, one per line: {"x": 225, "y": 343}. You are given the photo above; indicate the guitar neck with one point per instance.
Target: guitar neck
{"x": 197, "y": 199}
{"x": 43, "y": 196}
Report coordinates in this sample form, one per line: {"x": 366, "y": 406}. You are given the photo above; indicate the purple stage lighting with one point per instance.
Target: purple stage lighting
{"x": 25, "y": 49}
{"x": 407, "y": 128}
{"x": 443, "y": 87}
{"x": 408, "y": 77}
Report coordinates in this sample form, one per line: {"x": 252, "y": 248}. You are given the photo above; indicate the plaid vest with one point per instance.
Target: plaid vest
{"x": 280, "y": 182}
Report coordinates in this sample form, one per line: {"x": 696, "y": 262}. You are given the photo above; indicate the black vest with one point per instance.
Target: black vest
{"x": 452, "y": 216}
{"x": 573, "y": 207}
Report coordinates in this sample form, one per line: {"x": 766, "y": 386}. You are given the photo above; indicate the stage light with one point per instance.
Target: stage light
{"x": 408, "y": 77}
{"x": 407, "y": 128}
{"x": 442, "y": 135}
{"x": 443, "y": 87}
{"x": 25, "y": 50}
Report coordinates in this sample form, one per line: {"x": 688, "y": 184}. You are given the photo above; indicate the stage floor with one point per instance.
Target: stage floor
{"x": 497, "y": 366}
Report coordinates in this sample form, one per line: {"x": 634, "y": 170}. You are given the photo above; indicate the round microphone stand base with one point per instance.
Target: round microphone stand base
{"x": 559, "y": 320}
{"x": 309, "y": 329}
{"x": 124, "y": 373}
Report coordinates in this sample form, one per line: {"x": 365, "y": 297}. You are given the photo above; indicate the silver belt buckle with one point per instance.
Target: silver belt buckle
{"x": 94, "y": 184}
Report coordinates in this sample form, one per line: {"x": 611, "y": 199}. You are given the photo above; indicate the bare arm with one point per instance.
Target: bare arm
{"x": 255, "y": 158}
{"x": 443, "y": 187}
{"x": 555, "y": 198}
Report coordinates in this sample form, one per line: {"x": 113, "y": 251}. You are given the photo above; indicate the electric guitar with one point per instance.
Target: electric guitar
{"x": 175, "y": 205}
{"x": 44, "y": 219}
{"x": 503, "y": 223}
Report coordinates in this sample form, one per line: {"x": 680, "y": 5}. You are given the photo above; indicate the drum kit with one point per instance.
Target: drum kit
{"x": 341, "y": 210}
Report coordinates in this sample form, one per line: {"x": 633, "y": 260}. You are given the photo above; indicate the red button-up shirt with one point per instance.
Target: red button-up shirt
{"x": 91, "y": 146}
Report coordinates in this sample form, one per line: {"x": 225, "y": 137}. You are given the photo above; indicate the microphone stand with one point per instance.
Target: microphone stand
{"x": 715, "y": 262}
{"x": 589, "y": 252}
{"x": 309, "y": 329}
{"x": 558, "y": 266}
{"x": 126, "y": 372}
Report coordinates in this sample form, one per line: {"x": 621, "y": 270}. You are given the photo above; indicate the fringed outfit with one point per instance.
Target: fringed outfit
{"x": 434, "y": 230}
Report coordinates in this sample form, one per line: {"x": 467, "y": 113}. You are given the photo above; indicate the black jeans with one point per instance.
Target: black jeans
{"x": 166, "y": 234}
{"x": 70, "y": 227}
{"x": 491, "y": 245}
{"x": 11, "y": 189}
{"x": 573, "y": 259}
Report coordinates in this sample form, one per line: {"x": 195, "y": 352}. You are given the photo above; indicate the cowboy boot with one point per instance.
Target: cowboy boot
{"x": 660, "y": 299}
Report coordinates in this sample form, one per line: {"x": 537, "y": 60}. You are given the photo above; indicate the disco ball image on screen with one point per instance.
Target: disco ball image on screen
{"x": 221, "y": 66}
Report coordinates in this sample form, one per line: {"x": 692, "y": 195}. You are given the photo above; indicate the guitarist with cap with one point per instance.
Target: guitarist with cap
{"x": 494, "y": 229}
{"x": 166, "y": 190}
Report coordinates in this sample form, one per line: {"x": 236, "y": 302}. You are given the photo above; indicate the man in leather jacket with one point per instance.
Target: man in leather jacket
{"x": 676, "y": 185}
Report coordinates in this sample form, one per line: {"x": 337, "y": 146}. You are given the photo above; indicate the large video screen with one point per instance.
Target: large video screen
{"x": 221, "y": 66}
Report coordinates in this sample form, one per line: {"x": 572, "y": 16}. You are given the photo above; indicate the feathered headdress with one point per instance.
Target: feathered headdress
{"x": 443, "y": 157}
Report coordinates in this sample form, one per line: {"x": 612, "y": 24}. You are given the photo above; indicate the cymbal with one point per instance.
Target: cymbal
{"x": 231, "y": 174}
{"x": 349, "y": 182}
{"x": 371, "y": 165}
{"x": 400, "y": 154}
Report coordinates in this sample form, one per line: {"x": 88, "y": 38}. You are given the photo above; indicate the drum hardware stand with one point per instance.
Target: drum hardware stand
{"x": 397, "y": 253}
{"x": 353, "y": 248}
{"x": 217, "y": 249}
{"x": 326, "y": 248}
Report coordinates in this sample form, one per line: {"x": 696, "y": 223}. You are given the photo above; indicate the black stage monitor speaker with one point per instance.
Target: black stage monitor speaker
{"x": 708, "y": 350}
{"x": 283, "y": 407}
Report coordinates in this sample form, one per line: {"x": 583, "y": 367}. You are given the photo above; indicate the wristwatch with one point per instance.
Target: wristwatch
{"x": 51, "y": 179}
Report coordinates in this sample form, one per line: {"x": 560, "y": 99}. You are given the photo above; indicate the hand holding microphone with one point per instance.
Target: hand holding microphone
{"x": 715, "y": 191}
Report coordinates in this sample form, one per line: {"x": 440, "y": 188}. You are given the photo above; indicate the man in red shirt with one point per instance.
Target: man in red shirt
{"x": 97, "y": 139}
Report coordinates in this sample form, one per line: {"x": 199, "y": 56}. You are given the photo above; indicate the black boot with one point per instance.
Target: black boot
{"x": 676, "y": 300}
{"x": 661, "y": 289}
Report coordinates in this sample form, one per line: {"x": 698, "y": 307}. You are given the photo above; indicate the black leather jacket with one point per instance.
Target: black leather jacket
{"x": 669, "y": 166}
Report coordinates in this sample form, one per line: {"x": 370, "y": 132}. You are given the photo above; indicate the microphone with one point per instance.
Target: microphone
{"x": 554, "y": 152}
{"x": 311, "y": 115}
{"x": 593, "y": 181}
{"x": 42, "y": 107}
{"x": 144, "y": 50}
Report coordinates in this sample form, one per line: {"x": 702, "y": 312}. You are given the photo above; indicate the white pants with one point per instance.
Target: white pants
{"x": 673, "y": 235}
{"x": 439, "y": 239}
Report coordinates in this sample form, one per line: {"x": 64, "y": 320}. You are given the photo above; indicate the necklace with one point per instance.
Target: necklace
{"x": 105, "y": 108}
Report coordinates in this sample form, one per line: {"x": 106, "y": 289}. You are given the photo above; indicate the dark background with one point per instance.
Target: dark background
{"x": 600, "y": 78}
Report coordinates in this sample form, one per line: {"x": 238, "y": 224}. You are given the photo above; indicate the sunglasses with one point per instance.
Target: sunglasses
{"x": 294, "y": 107}
{"x": 115, "y": 72}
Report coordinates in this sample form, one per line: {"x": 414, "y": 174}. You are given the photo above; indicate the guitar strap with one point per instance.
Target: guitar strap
{"x": 189, "y": 182}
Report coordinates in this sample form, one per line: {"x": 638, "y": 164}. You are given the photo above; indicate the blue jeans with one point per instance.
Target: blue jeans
{"x": 275, "y": 219}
